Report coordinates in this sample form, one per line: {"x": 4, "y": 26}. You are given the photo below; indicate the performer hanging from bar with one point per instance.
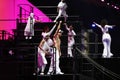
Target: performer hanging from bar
{"x": 45, "y": 49}
{"x": 71, "y": 40}
{"x": 106, "y": 38}
{"x": 55, "y": 59}
{"x": 61, "y": 9}
{"x": 29, "y": 29}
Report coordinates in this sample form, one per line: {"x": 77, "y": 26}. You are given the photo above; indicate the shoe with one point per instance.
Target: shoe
{"x": 110, "y": 55}
{"x": 41, "y": 73}
{"x": 26, "y": 37}
{"x": 59, "y": 73}
{"x": 34, "y": 73}
{"x": 104, "y": 56}
{"x": 30, "y": 37}
{"x": 69, "y": 55}
{"x": 49, "y": 73}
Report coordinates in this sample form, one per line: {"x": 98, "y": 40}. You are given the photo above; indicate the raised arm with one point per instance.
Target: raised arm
{"x": 110, "y": 26}
{"x": 40, "y": 46}
{"x": 59, "y": 25}
{"x": 98, "y": 25}
{"x": 66, "y": 26}
{"x": 50, "y": 32}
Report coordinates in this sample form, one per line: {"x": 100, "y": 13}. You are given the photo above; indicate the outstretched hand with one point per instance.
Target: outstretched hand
{"x": 94, "y": 22}
{"x": 60, "y": 21}
{"x": 113, "y": 25}
{"x": 65, "y": 24}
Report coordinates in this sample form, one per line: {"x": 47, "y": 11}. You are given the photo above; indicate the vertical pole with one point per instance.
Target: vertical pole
{"x": 74, "y": 61}
{"x": 54, "y": 60}
{"x": 36, "y": 62}
{"x": 20, "y": 14}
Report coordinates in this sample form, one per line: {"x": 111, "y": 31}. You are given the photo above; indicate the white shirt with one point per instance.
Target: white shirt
{"x": 62, "y": 5}
{"x": 105, "y": 29}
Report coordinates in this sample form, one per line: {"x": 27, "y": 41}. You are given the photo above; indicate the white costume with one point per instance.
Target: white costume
{"x": 55, "y": 59}
{"x": 29, "y": 29}
{"x": 71, "y": 41}
{"x": 46, "y": 47}
{"x": 106, "y": 39}
{"x": 41, "y": 57}
{"x": 62, "y": 6}
{"x": 52, "y": 65}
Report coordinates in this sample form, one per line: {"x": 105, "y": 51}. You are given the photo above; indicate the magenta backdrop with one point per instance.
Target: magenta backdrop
{"x": 9, "y": 11}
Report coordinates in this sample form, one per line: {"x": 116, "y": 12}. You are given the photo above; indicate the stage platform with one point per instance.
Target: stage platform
{"x": 74, "y": 69}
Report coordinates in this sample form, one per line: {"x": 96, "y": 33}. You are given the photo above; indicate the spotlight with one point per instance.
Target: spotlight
{"x": 93, "y": 25}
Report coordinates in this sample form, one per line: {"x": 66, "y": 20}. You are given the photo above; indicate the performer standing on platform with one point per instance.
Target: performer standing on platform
{"x": 71, "y": 40}
{"x": 55, "y": 60}
{"x": 61, "y": 9}
{"x": 106, "y": 38}
{"x": 45, "y": 49}
{"x": 29, "y": 29}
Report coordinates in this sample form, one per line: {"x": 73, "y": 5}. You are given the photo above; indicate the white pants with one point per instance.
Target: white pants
{"x": 70, "y": 47}
{"x": 61, "y": 12}
{"x": 42, "y": 56}
{"x": 106, "y": 39}
{"x": 41, "y": 60}
{"x": 53, "y": 61}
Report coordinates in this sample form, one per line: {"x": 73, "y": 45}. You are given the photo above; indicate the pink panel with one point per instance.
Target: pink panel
{"x": 9, "y": 11}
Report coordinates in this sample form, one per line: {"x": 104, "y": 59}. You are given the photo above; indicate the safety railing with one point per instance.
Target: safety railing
{"x": 7, "y": 27}
{"x": 4, "y": 35}
{"x": 24, "y": 12}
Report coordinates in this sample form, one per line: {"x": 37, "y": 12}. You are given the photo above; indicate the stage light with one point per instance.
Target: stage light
{"x": 93, "y": 25}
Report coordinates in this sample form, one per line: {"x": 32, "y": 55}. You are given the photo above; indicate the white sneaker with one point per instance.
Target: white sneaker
{"x": 34, "y": 74}
{"x": 26, "y": 37}
{"x": 59, "y": 73}
{"x": 110, "y": 55}
{"x": 49, "y": 73}
{"x": 104, "y": 56}
{"x": 30, "y": 37}
{"x": 41, "y": 73}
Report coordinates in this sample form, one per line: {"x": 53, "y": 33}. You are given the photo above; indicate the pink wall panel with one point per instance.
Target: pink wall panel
{"x": 9, "y": 11}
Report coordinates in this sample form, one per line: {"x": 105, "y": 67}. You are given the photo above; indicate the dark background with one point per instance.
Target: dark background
{"x": 89, "y": 11}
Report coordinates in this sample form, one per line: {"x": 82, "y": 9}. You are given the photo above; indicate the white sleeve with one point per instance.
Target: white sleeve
{"x": 59, "y": 4}
{"x": 44, "y": 34}
{"x": 99, "y": 26}
{"x": 50, "y": 32}
{"x": 108, "y": 26}
{"x": 73, "y": 32}
{"x": 67, "y": 27}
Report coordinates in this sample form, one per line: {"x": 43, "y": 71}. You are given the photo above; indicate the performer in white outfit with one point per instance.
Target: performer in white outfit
{"x": 71, "y": 40}
{"x": 57, "y": 43}
{"x": 106, "y": 38}
{"x": 45, "y": 48}
{"x": 61, "y": 9}
{"x": 29, "y": 29}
